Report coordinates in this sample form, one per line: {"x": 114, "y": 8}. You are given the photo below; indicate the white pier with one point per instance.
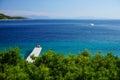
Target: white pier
{"x": 36, "y": 51}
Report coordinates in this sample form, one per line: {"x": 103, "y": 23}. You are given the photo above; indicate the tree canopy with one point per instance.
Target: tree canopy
{"x": 53, "y": 66}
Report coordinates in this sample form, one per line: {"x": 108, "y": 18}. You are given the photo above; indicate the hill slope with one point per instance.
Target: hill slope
{"x": 3, "y": 16}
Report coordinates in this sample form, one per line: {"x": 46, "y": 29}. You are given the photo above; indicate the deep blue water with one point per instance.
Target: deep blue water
{"x": 62, "y": 36}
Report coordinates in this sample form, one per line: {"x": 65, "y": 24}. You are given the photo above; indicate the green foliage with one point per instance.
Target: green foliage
{"x": 53, "y": 66}
{"x": 3, "y": 16}
{"x": 10, "y": 57}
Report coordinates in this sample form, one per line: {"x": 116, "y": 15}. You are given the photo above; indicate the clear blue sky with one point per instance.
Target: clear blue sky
{"x": 62, "y": 8}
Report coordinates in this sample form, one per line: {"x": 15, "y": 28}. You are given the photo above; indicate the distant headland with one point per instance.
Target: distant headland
{"x": 6, "y": 17}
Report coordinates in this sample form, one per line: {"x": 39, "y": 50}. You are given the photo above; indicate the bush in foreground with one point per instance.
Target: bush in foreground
{"x": 53, "y": 66}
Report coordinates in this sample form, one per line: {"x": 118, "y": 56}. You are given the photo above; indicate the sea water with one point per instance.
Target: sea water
{"x": 62, "y": 36}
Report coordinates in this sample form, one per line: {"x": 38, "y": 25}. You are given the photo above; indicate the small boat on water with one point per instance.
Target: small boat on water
{"x": 36, "y": 51}
{"x": 91, "y": 24}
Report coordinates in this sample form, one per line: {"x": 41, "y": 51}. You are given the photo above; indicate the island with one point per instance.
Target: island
{"x": 6, "y": 17}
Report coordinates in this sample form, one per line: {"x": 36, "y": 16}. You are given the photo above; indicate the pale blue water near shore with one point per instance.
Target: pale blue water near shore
{"x": 62, "y": 36}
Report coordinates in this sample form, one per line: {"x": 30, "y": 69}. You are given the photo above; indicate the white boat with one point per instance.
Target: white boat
{"x": 36, "y": 51}
{"x": 91, "y": 24}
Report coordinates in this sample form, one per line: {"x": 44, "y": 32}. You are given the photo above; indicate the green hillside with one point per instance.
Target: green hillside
{"x": 3, "y": 16}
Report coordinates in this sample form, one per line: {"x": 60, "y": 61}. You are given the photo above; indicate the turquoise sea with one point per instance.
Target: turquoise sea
{"x": 61, "y": 36}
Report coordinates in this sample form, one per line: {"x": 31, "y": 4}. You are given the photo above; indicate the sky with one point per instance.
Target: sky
{"x": 108, "y": 9}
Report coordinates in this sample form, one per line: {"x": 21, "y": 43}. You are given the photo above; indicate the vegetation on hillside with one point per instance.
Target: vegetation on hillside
{"x": 53, "y": 66}
{"x": 3, "y": 16}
